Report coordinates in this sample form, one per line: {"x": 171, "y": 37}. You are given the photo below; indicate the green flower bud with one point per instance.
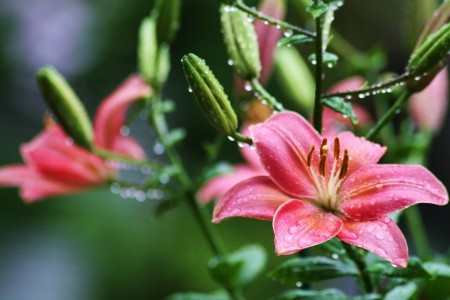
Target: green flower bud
{"x": 432, "y": 52}
{"x": 241, "y": 41}
{"x": 210, "y": 96}
{"x": 168, "y": 19}
{"x": 65, "y": 105}
{"x": 147, "y": 49}
{"x": 162, "y": 66}
{"x": 429, "y": 58}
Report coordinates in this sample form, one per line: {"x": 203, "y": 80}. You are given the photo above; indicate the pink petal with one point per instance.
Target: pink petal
{"x": 299, "y": 225}
{"x": 217, "y": 186}
{"x": 250, "y": 155}
{"x": 15, "y": 175}
{"x": 129, "y": 147}
{"x": 429, "y": 107}
{"x": 283, "y": 143}
{"x": 333, "y": 122}
{"x": 256, "y": 197}
{"x": 111, "y": 114}
{"x": 382, "y": 237}
{"x": 361, "y": 152}
{"x": 377, "y": 190}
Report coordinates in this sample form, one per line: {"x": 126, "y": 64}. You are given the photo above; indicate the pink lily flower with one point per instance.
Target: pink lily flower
{"x": 54, "y": 165}
{"x": 316, "y": 190}
{"x": 428, "y": 108}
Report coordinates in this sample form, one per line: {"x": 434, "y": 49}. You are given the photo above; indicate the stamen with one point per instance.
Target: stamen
{"x": 322, "y": 164}
{"x": 337, "y": 148}
{"x": 309, "y": 159}
{"x": 323, "y": 147}
{"x": 344, "y": 166}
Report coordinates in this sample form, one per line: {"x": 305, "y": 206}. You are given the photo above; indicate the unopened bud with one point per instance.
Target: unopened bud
{"x": 65, "y": 105}
{"x": 241, "y": 41}
{"x": 147, "y": 49}
{"x": 210, "y": 95}
{"x": 432, "y": 52}
{"x": 168, "y": 19}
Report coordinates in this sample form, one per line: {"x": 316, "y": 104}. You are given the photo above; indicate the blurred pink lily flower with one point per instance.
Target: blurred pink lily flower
{"x": 53, "y": 165}
{"x": 428, "y": 108}
{"x": 268, "y": 37}
{"x": 316, "y": 190}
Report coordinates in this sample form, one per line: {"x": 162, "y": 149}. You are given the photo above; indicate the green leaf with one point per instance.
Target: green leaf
{"x": 366, "y": 297}
{"x": 403, "y": 292}
{"x": 310, "y": 269}
{"x": 415, "y": 269}
{"x": 175, "y": 136}
{"x": 437, "y": 269}
{"x": 341, "y": 106}
{"x": 327, "y": 294}
{"x": 328, "y": 59}
{"x": 317, "y": 9}
{"x": 239, "y": 268}
{"x": 219, "y": 295}
{"x": 333, "y": 247}
{"x": 294, "y": 40}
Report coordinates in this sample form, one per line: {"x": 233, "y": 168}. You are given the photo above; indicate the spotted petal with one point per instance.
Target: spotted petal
{"x": 299, "y": 225}
{"x": 283, "y": 143}
{"x": 382, "y": 237}
{"x": 377, "y": 190}
{"x": 257, "y": 197}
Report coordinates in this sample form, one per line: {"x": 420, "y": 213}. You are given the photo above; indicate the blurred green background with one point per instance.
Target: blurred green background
{"x": 97, "y": 245}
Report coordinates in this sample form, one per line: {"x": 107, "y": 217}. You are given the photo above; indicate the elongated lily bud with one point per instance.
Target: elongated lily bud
{"x": 65, "y": 105}
{"x": 210, "y": 96}
{"x": 168, "y": 19}
{"x": 147, "y": 49}
{"x": 240, "y": 38}
{"x": 430, "y": 57}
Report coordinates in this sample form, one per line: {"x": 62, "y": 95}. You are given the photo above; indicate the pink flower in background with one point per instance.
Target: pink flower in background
{"x": 268, "y": 37}
{"x": 317, "y": 189}
{"x": 428, "y": 108}
{"x": 53, "y": 165}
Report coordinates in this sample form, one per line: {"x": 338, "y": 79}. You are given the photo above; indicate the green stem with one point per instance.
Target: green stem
{"x": 258, "y": 88}
{"x": 418, "y": 234}
{"x": 366, "y": 281}
{"x": 318, "y": 107}
{"x": 281, "y": 24}
{"x": 388, "y": 115}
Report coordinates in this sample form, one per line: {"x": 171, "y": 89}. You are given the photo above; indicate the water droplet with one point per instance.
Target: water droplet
{"x": 397, "y": 111}
{"x": 361, "y": 96}
{"x": 69, "y": 141}
{"x": 393, "y": 265}
{"x": 230, "y": 62}
{"x": 379, "y": 186}
{"x": 115, "y": 188}
{"x": 417, "y": 78}
{"x": 293, "y": 229}
{"x": 241, "y": 144}
{"x": 235, "y": 211}
{"x": 370, "y": 228}
{"x": 231, "y": 138}
{"x": 379, "y": 235}
{"x": 250, "y": 19}
{"x": 348, "y": 97}
{"x": 146, "y": 170}
{"x": 248, "y": 86}
{"x": 288, "y": 33}
{"x": 334, "y": 256}
{"x": 164, "y": 178}
{"x": 124, "y": 130}
{"x": 314, "y": 62}
{"x": 339, "y": 3}
{"x": 158, "y": 148}
{"x": 140, "y": 196}
{"x": 298, "y": 284}
{"x": 330, "y": 65}
{"x": 266, "y": 22}
{"x": 190, "y": 90}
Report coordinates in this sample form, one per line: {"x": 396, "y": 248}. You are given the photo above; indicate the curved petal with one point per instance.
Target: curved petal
{"x": 111, "y": 114}
{"x": 128, "y": 146}
{"x": 256, "y": 197}
{"x": 361, "y": 152}
{"x": 298, "y": 225}
{"x": 217, "y": 186}
{"x": 377, "y": 190}
{"x": 283, "y": 143}
{"x": 382, "y": 237}
{"x": 15, "y": 175}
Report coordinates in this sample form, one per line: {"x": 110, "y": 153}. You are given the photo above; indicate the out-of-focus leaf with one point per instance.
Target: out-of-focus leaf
{"x": 341, "y": 106}
{"x": 316, "y": 9}
{"x": 239, "y": 268}
{"x": 310, "y": 269}
{"x": 175, "y": 136}
{"x": 403, "y": 292}
{"x": 328, "y": 59}
{"x": 327, "y": 294}
{"x": 333, "y": 247}
{"x": 219, "y": 295}
{"x": 294, "y": 40}
{"x": 415, "y": 269}
{"x": 437, "y": 269}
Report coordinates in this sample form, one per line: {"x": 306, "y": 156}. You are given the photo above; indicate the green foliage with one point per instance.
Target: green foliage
{"x": 219, "y": 295}
{"x": 294, "y": 40}
{"x": 339, "y": 105}
{"x": 438, "y": 269}
{"x": 327, "y": 294}
{"x": 317, "y": 8}
{"x": 403, "y": 292}
{"x": 415, "y": 269}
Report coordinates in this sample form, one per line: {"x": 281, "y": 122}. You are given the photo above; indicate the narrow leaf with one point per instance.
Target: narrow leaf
{"x": 219, "y": 295}
{"x": 403, "y": 292}
{"x": 339, "y": 105}
{"x": 415, "y": 269}
{"x": 175, "y": 136}
{"x": 294, "y": 40}
{"x": 327, "y": 294}
{"x": 437, "y": 269}
{"x": 310, "y": 269}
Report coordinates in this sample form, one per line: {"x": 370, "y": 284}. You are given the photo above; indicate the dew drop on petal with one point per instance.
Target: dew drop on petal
{"x": 379, "y": 235}
{"x": 293, "y": 229}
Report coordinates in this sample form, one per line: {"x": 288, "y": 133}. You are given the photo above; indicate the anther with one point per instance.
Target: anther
{"x": 323, "y": 147}
{"x": 344, "y": 166}
{"x": 322, "y": 164}
{"x": 309, "y": 159}
{"x": 337, "y": 148}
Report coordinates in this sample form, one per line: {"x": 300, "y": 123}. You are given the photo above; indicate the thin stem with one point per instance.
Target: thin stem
{"x": 373, "y": 89}
{"x": 281, "y": 24}
{"x": 388, "y": 115}
{"x": 258, "y": 88}
{"x": 417, "y": 231}
{"x": 318, "y": 107}
{"x": 242, "y": 138}
{"x": 367, "y": 285}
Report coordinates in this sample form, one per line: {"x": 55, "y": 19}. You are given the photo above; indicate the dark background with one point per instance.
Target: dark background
{"x": 96, "y": 245}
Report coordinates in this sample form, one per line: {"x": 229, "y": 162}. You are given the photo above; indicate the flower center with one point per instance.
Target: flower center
{"x": 328, "y": 180}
